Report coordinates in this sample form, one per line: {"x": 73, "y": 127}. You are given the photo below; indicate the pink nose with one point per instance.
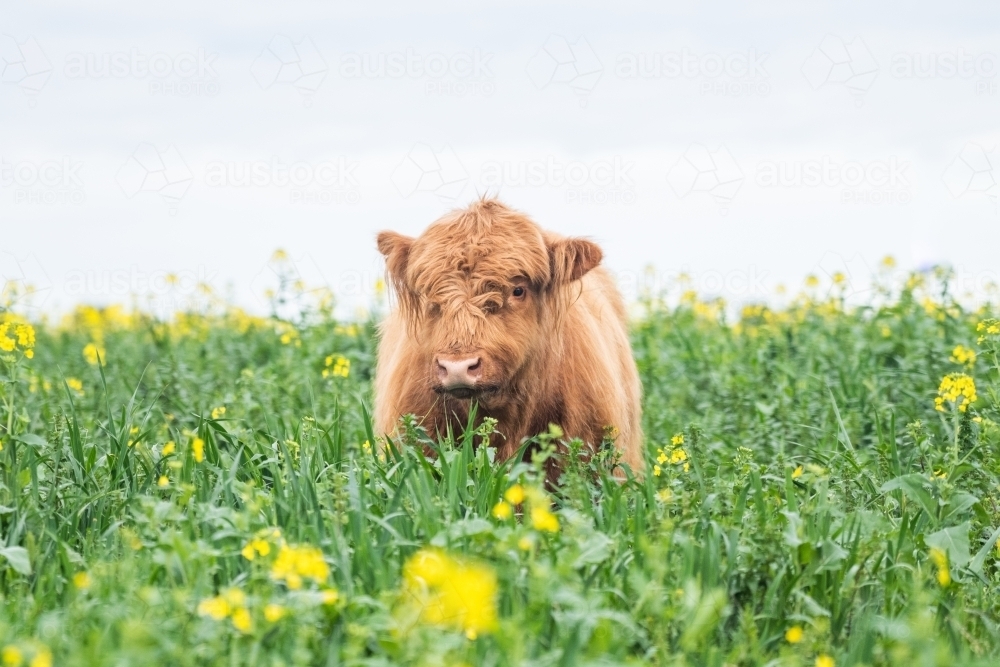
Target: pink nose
{"x": 458, "y": 372}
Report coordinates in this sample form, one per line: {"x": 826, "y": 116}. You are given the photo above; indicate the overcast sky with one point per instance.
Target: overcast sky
{"x": 745, "y": 147}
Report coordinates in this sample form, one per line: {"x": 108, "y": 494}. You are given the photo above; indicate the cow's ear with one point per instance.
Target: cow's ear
{"x": 571, "y": 258}
{"x": 396, "y": 249}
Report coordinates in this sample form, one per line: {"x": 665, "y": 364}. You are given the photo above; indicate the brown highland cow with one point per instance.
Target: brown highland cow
{"x": 494, "y": 309}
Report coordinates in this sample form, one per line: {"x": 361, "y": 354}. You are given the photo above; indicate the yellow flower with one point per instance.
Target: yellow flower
{"x": 526, "y": 543}
{"x": 812, "y": 281}
{"x": 274, "y": 613}
{"x": 543, "y": 519}
{"x": 515, "y": 494}
{"x": 657, "y": 471}
{"x": 502, "y": 510}
{"x": 216, "y": 608}
{"x": 888, "y": 261}
{"x": 168, "y": 448}
{"x": 218, "y": 412}
{"x": 677, "y": 439}
{"x": 43, "y": 658}
{"x": 163, "y": 482}
{"x": 20, "y": 334}
{"x": 664, "y": 495}
{"x": 11, "y": 656}
{"x": 297, "y": 562}
{"x": 797, "y": 472}
{"x": 330, "y": 596}
{"x": 242, "y": 620}
{"x": 198, "y": 449}
{"x": 940, "y": 560}
{"x": 235, "y": 597}
{"x": 452, "y": 593}
{"x": 958, "y": 389}
{"x": 963, "y": 355}
{"x": 341, "y": 366}
{"x": 793, "y": 635}
{"x": 256, "y": 546}
{"x": 82, "y": 580}
{"x": 823, "y": 660}
{"x": 678, "y": 456}
{"x": 94, "y": 354}
{"x": 74, "y": 384}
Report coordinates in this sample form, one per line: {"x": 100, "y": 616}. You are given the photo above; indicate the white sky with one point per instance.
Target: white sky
{"x": 673, "y": 169}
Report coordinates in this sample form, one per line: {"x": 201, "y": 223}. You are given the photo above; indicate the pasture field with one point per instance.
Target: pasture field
{"x": 821, "y": 490}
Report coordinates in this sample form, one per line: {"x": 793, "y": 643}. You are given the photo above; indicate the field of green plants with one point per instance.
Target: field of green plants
{"x": 821, "y": 489}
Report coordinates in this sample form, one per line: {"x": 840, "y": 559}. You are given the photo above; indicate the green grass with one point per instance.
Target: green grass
{"x": 819, "y": 479}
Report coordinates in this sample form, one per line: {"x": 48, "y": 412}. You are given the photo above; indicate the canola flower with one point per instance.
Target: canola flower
{"x": 17, "y": 336}
{"x": 543, "y": 519}
{"x": 797, "y": 472}
{"x": 823, "y": 660}
{"x": 75, "y": 385}
{"x": 940, "y": 560}
{"x": 336, "y": 366}
{"x": 987, "y": 327}
{"x": 198, "y": 449}
{"x": 231, "y": 604}
{"x": 169, "y": 448}
{"x": 11, "y": 656}
{"x": 675, "y": 456}
{"x": 219, "y": 412}
{"x": 260, "y": 544}
{"x": 963, "y": 355}
{"x": 274, "y": 612}
{"x": 451, "y": 592}
{"x": 794, "y": 634}
{"x": 514, "y": 495}
{"x": 82, "y": 581}
{"x": 541, "y": 516}
{"x": 297, "y": 562}
{"x": 958, "y": 389}
{"x": 502, "y": 510}
{"x": 94, "y": 354}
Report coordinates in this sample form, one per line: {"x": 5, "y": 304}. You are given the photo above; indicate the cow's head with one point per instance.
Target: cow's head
{"x": 479, "y": 291}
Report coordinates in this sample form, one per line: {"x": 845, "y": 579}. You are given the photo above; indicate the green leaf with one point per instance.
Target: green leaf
{"x": 977, "y": 563}
{"x": 33, "y": 440}
{"x": 954, "y": 541}
{"x": 595, "y": 549}
{"x": 913, "y": 486}
{"x": 18, "y": 559}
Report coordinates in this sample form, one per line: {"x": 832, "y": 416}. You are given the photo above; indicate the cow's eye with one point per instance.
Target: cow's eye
{"x": 518, "y": 292}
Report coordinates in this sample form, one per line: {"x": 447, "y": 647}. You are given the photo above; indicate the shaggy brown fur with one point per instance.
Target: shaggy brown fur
{"x": 555, "y": 351}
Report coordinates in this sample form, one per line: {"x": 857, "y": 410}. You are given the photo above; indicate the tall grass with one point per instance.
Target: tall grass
{"x": 809, "y": 504}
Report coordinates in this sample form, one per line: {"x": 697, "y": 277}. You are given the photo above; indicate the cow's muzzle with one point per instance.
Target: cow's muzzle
{"x": 459, "y": 376}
